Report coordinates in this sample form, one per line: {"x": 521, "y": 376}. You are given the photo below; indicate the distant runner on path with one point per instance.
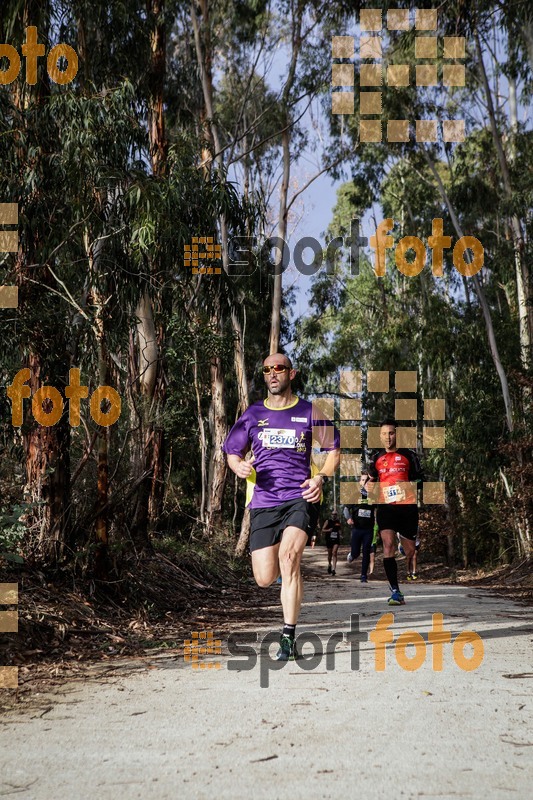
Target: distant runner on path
{"x": 281, "y": 431}
{"x": 332, "y": 529}
{"x": 398, "y": 473}
{"x": 412, "y": 561}
{"x": 361, "y": 517}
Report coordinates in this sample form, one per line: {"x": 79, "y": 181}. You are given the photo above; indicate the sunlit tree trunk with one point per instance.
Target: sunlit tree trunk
{"x": 94, "y": 254}
{"x": 277, "y": 293}
{"x": 218, "y": 413}
{"x": 203, "y": 440}
{"x": 482, "y": 301}
{"x": 523, "y": 285}
{"x": 149, "y": 449}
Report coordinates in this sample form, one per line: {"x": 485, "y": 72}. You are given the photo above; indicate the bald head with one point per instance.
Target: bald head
{"x": 278, "y": 358}
{"x": 278, "y": 375}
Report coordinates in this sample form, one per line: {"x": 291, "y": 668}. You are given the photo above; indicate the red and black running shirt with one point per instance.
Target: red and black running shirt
{"x": 395, "y": 474}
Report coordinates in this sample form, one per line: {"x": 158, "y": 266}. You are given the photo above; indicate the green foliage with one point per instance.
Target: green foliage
{"x": 428, "y": 324}
{"x": 12, "y": 532}
{"x": 100, "y": 228}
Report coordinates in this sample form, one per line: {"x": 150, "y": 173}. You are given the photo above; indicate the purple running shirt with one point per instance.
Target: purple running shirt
{"x": 281, "y": 440}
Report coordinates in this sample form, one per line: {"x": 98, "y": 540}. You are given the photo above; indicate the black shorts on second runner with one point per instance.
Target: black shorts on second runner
{"x": 268, "y": 524}
{"x": 314, "y": 513}
{"x": 331, "y": 542}
{"x": 400, "y": 518}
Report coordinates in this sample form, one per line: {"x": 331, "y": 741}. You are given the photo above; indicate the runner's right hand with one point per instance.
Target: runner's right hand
{"x": 243, "y": 469}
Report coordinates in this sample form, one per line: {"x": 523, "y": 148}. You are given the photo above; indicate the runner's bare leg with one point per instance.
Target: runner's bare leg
{"x": 290, "y": 556}
{"x": 265, "y": 565}
{"x": 334, "y": 557}
{"x": 409, "y": 548}
{"x": 388, "y": 537}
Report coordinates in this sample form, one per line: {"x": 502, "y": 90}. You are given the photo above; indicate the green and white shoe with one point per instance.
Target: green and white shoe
{"x": 287, "y": 649}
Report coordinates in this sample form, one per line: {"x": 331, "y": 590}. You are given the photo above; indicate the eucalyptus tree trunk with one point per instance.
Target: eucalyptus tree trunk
{"x": 149, "y": 387}
{"x": 522, "y": 276}
{"x": 46, "y": 449}
{"x": 242, "y": 387}
{"x": 218, "y": 429}
{"x": 218, "y": 412}
{"x": 482, "y": 301}
{"x": 143, "y": 358}
{"x": 277, "y": 293}
{"x": 521, "y": 523}
{"x": 47, "y": 486}
{"x": 296, "y": 43}
{"x": 203, "y": 440}
{"x": 464, "y": 529}
{"x": 94, "y": 252}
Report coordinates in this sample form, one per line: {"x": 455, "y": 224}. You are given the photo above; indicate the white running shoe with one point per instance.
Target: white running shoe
{"x": 349, "y": 558}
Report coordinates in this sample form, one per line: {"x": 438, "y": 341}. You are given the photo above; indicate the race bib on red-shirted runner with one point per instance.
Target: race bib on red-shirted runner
{"x": 394, "y": 494}
{"x": 278, "y": 437}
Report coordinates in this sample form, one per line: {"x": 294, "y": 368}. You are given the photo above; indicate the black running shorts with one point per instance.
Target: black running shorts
{"x": 314, "y": 513}
{"x": 268, "y": 524}
{"x": 400, "y": 518}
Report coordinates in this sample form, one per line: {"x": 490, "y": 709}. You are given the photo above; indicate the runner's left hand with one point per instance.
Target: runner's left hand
{"x": 312, "y": 489}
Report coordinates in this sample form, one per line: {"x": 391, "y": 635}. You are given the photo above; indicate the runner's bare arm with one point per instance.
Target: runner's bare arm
{"x": 240, "y": 467}
{"x": 331, "y": 463}
{"x": 313, "y": 486}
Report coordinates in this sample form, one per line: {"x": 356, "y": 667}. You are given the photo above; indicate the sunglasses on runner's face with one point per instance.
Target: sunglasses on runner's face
{"x": 278, "y": 368}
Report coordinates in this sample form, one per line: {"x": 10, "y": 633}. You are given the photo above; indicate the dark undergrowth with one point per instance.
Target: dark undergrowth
{"x": 66, "y": 622}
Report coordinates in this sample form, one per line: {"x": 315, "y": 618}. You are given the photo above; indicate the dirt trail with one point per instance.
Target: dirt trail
{"x": 169, "y": 731}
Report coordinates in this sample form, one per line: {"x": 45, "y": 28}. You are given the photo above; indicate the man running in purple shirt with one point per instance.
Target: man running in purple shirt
{"x": 281, "y": 431}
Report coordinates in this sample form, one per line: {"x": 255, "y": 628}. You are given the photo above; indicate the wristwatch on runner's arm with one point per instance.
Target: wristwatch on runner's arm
{"x": 325, "y": 478}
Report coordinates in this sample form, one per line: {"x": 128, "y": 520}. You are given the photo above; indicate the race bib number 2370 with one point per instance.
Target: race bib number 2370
{"x": 278, "y": 437}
